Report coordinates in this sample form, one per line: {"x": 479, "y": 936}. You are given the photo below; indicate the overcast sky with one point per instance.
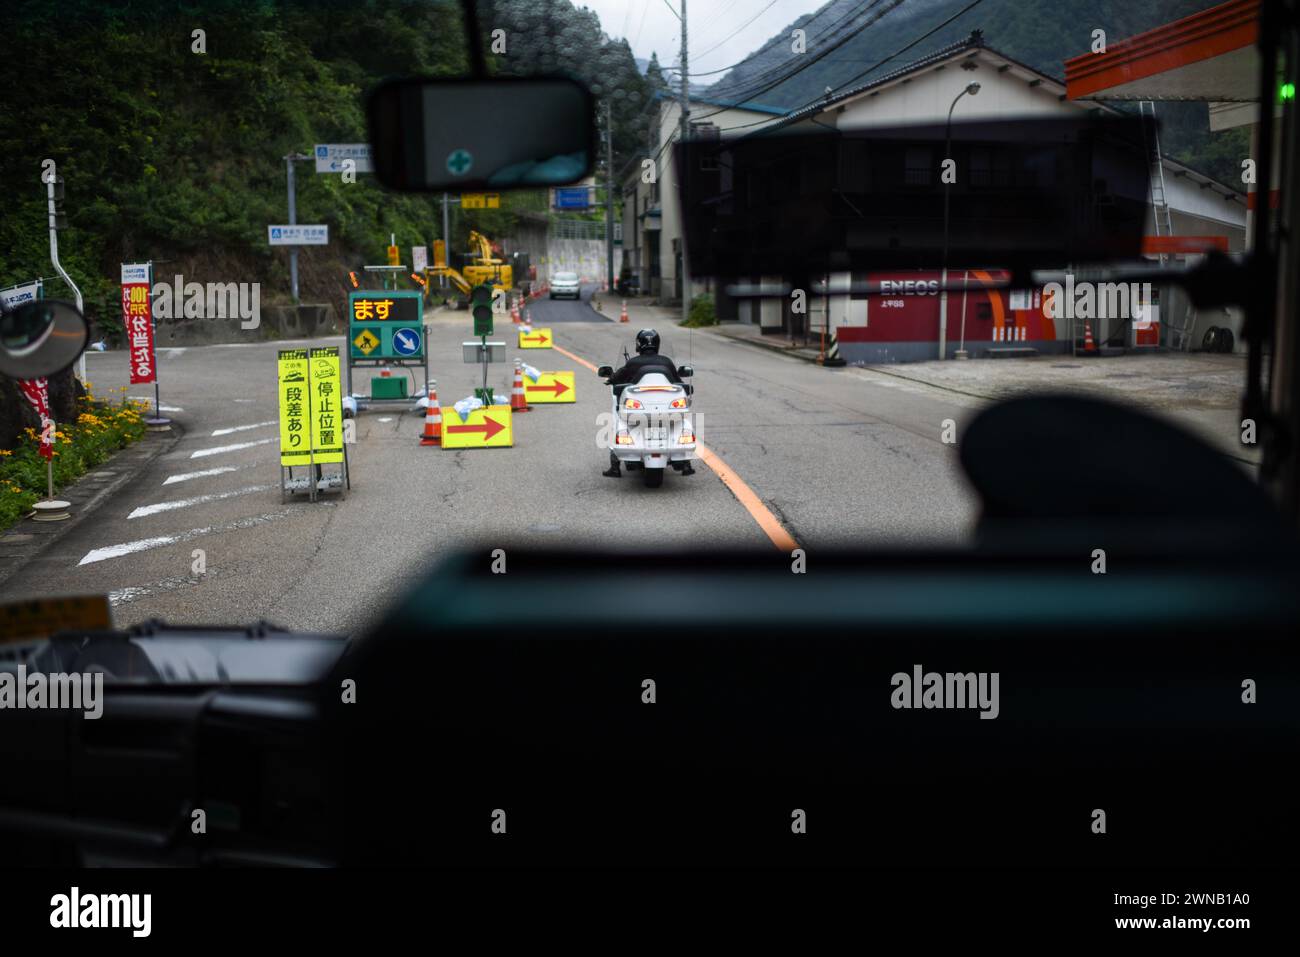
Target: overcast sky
{"x": 719, "y": 32}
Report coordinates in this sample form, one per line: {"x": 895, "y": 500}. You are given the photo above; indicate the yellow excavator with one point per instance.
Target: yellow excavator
{"x": 481, "y": 267}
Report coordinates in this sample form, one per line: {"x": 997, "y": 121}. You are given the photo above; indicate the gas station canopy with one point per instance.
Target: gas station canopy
{"x": 1206, "y": 57}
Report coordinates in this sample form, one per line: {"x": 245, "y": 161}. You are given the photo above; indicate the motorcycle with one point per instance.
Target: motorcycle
{"x": 653, "y": 427}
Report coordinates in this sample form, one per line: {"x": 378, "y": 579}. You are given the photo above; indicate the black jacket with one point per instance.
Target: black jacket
{"x": 637, "y": 365}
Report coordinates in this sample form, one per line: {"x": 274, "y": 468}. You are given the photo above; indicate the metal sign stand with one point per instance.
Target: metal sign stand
{"x": 158, "y": 422}
{"x": 315, "y": 481}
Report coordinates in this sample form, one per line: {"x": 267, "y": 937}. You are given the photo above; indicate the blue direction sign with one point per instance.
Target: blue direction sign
{"x": 406, "y": 341}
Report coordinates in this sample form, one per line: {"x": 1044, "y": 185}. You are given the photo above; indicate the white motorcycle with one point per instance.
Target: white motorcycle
{"x": 653, "y": 426}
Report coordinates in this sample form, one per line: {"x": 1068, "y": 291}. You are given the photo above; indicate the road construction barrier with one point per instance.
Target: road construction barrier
{"x": 518, "y": 401}
{"x": 539, "y": 338}
{"x": 622, "y": 316}
{"x": 432, "y": 417}
{"x": 488, "y": 426}
{"x": 551, "y": 387}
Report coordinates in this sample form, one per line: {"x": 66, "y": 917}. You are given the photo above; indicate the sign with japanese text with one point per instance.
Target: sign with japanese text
{"x": 385, "y": 325}
{"x": 137, "y": 318}
{"x": 295, "y": 415}
{"x": 38, "y": 394}
{"x": 326, "y": 405}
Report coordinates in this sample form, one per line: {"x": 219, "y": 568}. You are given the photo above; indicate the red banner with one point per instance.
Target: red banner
{"x": 38, "y": 394}
{"x": 137, "y": 316}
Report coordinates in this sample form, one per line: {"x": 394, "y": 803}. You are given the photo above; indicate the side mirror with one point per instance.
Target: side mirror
{"x": 685, "y": 372}
{"x": 41, "y": 338}
{"x": 605, "y": 371}
{"x": 466, "y": 135}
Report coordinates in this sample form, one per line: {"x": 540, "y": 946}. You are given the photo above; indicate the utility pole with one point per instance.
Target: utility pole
{"x": 446, "y": 230}
{"x": 293, "y": 220}
{"x": 686, "y": 127}
{"x": 609, "y": 193}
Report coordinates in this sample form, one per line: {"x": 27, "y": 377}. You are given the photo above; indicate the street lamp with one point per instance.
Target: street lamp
{"x": 972, "y": 89}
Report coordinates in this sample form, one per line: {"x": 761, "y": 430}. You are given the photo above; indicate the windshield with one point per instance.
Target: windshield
{"x": 285, "y": 412}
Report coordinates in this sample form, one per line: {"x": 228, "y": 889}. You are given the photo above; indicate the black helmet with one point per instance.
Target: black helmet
{"x": 647, "y": 343}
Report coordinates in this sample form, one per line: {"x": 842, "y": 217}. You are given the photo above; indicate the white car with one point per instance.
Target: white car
{"x": 566, "y": 284}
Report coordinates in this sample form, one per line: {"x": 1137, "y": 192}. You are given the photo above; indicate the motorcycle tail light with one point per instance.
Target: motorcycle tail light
{"x": 623, "y": 438}
{"x": 633, "y": 404}
{"x": 678, "y": 404}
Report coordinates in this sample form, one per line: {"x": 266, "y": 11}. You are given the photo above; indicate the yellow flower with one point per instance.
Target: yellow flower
{"x": 5, "y": 452}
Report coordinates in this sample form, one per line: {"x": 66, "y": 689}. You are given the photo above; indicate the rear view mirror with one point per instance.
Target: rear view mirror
{"x": 685, "y": 372}
{"x": 605, "y": 371}
{"x": 481, "y": 134}
{"x": 41, "y": 338}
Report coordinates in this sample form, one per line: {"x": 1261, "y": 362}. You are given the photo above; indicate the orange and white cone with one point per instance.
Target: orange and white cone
{"x": 514, "y": 312}
{"x": 432, "y": 418}
{"x": 1089, "y": 345}
{"x": 622, "y": 316}
{"x": 528, "y": 321}
{"x": 518, "y": 401}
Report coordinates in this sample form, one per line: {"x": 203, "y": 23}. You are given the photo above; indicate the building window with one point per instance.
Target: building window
{"x": 918, "y": 166}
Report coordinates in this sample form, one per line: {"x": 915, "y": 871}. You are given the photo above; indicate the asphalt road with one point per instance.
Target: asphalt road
{"x": 837, "y": 457}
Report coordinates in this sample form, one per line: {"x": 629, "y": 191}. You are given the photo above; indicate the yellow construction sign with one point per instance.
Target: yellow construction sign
{"x": 367, "y": 342}
{"x": 480, "y": 200}
{"x": 295, "y": 429}
{"x": 484, "y": 427}
{"x": 539, "y": 338}
{"x": 550, "y": 387}
{"x": 326, "y": 405}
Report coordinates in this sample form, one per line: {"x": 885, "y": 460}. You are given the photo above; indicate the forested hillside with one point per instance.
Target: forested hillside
{"x": 176, "y": 155}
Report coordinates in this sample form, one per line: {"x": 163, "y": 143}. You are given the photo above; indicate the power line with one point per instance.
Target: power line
{"x": 803, "y": 65}
{"x": 853, "y": 14}
{"x": 743, "y": 96}
{"x": 871, "y": 69}
{"x": 739, "y": 29}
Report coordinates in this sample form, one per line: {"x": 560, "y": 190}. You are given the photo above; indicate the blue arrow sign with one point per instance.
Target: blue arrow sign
{"x": 406, "y": 342}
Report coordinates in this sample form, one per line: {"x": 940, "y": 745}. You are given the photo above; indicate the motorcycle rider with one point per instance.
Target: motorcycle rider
{"x": 647, "y": 359}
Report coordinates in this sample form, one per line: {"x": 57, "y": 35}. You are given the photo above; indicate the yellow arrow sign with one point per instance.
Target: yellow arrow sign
{"x": 485, "y": 427}
{"x": 550, "y": 387}
{"x": 367, "y": 342}
{"x": 538, "y": 338}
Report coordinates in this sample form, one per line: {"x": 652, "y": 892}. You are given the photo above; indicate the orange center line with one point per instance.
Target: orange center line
{"x": 745, "y": 495}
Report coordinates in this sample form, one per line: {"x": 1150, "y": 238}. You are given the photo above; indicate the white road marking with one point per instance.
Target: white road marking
{"x": 201, "y": 453}
{"x": 144, "y": 544}
{"x": 204, "y": 473}
{"x": 387, "y": 419}
{"x": 145, "y": 510}
{"x": 242, "y": 428}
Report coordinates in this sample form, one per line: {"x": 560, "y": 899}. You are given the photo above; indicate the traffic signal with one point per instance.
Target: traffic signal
{"x": 480, "y": 304}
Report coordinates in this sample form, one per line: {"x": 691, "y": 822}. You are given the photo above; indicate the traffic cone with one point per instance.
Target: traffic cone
{"x": 528, "y": 321}
{"x": 432, "y": 417}
{"x": 622, "y": 316}
{"x": 518, "y": 401}
{"x": 1089, "y": 345}
{"x": 514, "y": 312}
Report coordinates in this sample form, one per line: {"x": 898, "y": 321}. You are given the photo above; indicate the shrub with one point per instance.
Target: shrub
{"x": 702, "y": 313}
{"x": 100, "y": 430}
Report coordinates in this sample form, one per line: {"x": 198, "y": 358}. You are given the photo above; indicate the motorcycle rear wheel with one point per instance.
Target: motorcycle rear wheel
{"x": 653, "y": 477}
